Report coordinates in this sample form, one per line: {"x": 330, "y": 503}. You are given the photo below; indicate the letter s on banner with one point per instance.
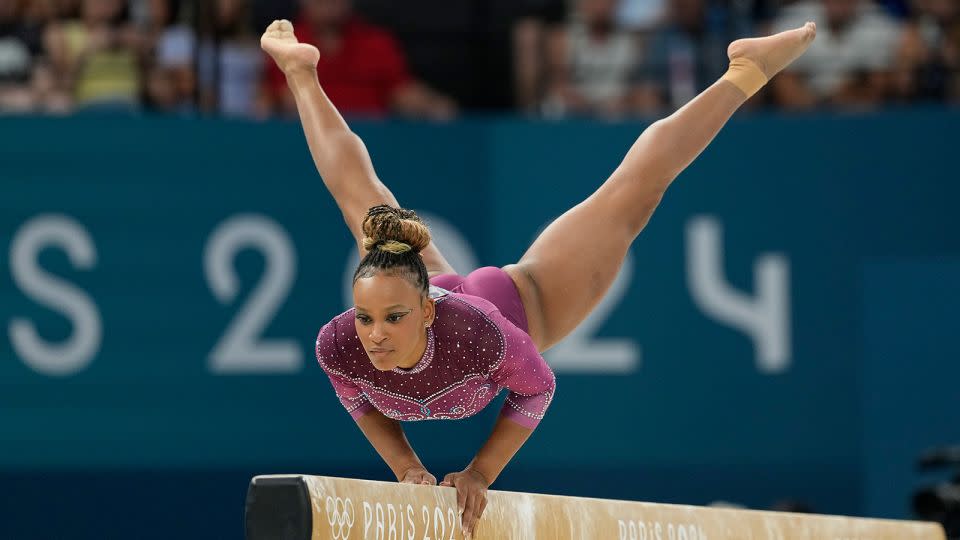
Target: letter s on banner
{"x": 76, "y": 353}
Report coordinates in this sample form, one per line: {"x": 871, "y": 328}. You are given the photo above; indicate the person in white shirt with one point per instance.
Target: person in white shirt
{"x": 849, "y": 65}
{"x": 590, "y": 64}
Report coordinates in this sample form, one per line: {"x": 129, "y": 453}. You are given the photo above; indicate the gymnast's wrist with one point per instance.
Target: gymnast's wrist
{"x": 477, "y": 473}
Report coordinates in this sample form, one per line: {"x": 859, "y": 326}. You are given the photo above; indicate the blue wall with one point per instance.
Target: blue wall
{"x": 736, "y": 359}
{"x": 910, "y": 384}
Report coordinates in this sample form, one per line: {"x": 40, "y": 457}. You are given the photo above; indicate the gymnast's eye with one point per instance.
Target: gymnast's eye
{"x": 363, "y": 319}
{"x": 395, "y": 317}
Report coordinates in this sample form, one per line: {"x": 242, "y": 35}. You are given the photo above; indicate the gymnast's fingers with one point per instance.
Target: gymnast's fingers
{"x": 461, "y": 497}
{"x": 447, "y": 480}
{"x": 428, "y": 479}
{"x": 418, "y": 476}
{"x": 467, "y": 520}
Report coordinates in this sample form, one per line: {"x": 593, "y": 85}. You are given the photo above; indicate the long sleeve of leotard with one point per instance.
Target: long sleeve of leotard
{"x": 525, "y": 373}
{"x": 350, "y": 395}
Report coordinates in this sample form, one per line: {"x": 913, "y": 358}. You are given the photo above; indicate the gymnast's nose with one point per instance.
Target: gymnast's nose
{"x": 377, "y": 334}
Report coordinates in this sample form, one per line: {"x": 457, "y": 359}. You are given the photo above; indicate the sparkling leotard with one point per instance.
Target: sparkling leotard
{"x": 473, "y": 352}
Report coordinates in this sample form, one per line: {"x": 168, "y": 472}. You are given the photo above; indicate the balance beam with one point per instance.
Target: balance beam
{"x": 296, "y": 507}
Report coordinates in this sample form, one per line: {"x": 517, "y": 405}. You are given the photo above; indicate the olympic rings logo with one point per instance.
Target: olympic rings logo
{"x": 340, "y": 516}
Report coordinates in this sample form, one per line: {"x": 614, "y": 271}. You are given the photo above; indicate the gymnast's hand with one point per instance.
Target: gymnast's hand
{"x": 418, "y": 475}
{"x": 471, "y": 496}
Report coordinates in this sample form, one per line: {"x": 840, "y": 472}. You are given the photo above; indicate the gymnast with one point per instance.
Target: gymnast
{"x": 423, "y": 343}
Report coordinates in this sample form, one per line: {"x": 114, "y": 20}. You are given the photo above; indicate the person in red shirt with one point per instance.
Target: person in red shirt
{"x": 361, "y": 68}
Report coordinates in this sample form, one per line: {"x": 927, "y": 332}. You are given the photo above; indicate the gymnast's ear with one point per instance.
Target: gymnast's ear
{"x": 429, "y": 311}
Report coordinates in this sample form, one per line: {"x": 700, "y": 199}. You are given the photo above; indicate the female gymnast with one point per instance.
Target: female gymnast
{"x": 423, "y": 343}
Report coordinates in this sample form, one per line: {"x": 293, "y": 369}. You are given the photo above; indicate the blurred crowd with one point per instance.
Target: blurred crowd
{"x": 554, "y": 58}
{"x": 627, "y": 57}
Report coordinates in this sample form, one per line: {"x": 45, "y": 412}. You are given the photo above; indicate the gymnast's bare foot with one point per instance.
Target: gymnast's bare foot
{"x": 290, "y": 55}
{"x": 773, "y": 53}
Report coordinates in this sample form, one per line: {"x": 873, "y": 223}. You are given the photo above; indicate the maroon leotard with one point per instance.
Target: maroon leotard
{"x": 474, "y": 350}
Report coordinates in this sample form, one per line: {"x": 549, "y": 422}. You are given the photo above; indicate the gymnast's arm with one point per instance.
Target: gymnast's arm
{"x": 532, "y": 385}
{"x": 384, "y": 434}
{"x": 472, "y": 483}
{"x": 507, "y": 438}
{"x": 387, "y": 437}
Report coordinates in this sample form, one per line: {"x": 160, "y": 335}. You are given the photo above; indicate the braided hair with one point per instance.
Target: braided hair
{"x": 394, "y": 238}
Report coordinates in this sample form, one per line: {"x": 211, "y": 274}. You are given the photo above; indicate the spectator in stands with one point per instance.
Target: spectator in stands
{"x": 230, "y": 61}
{"x": 170, "y": 72}
{"x": 927, "y": 66}
{"x": 539, "y": 27}
{"x": 95, "y": 57}
{"x": 849, "y": 64}
{"x": 21, "y": 47}
{"x": 681, "y": 58}
{"x": 755, "y": 17}
{"x": 641, "y": 15}
{"x": 590, "y": 64}
{"x": 361, "y": 69}
{"x": 66, "y": 9}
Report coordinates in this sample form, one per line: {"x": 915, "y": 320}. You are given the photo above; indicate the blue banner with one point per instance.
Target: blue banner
{"x": 163, "y": 280}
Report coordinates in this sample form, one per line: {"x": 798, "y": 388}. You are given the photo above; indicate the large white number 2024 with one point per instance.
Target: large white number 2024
{"x": 241, "y": 349}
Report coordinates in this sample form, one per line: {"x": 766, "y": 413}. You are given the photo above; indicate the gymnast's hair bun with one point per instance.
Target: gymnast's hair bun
{"x": 394, "y": 230}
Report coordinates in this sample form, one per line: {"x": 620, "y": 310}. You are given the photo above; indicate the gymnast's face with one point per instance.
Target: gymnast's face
{"x": 392, "y": 316}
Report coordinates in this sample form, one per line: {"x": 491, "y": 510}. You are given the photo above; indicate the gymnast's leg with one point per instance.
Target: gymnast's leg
{"x": 570, "y": 266}
{"x": 339, "y": 154}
